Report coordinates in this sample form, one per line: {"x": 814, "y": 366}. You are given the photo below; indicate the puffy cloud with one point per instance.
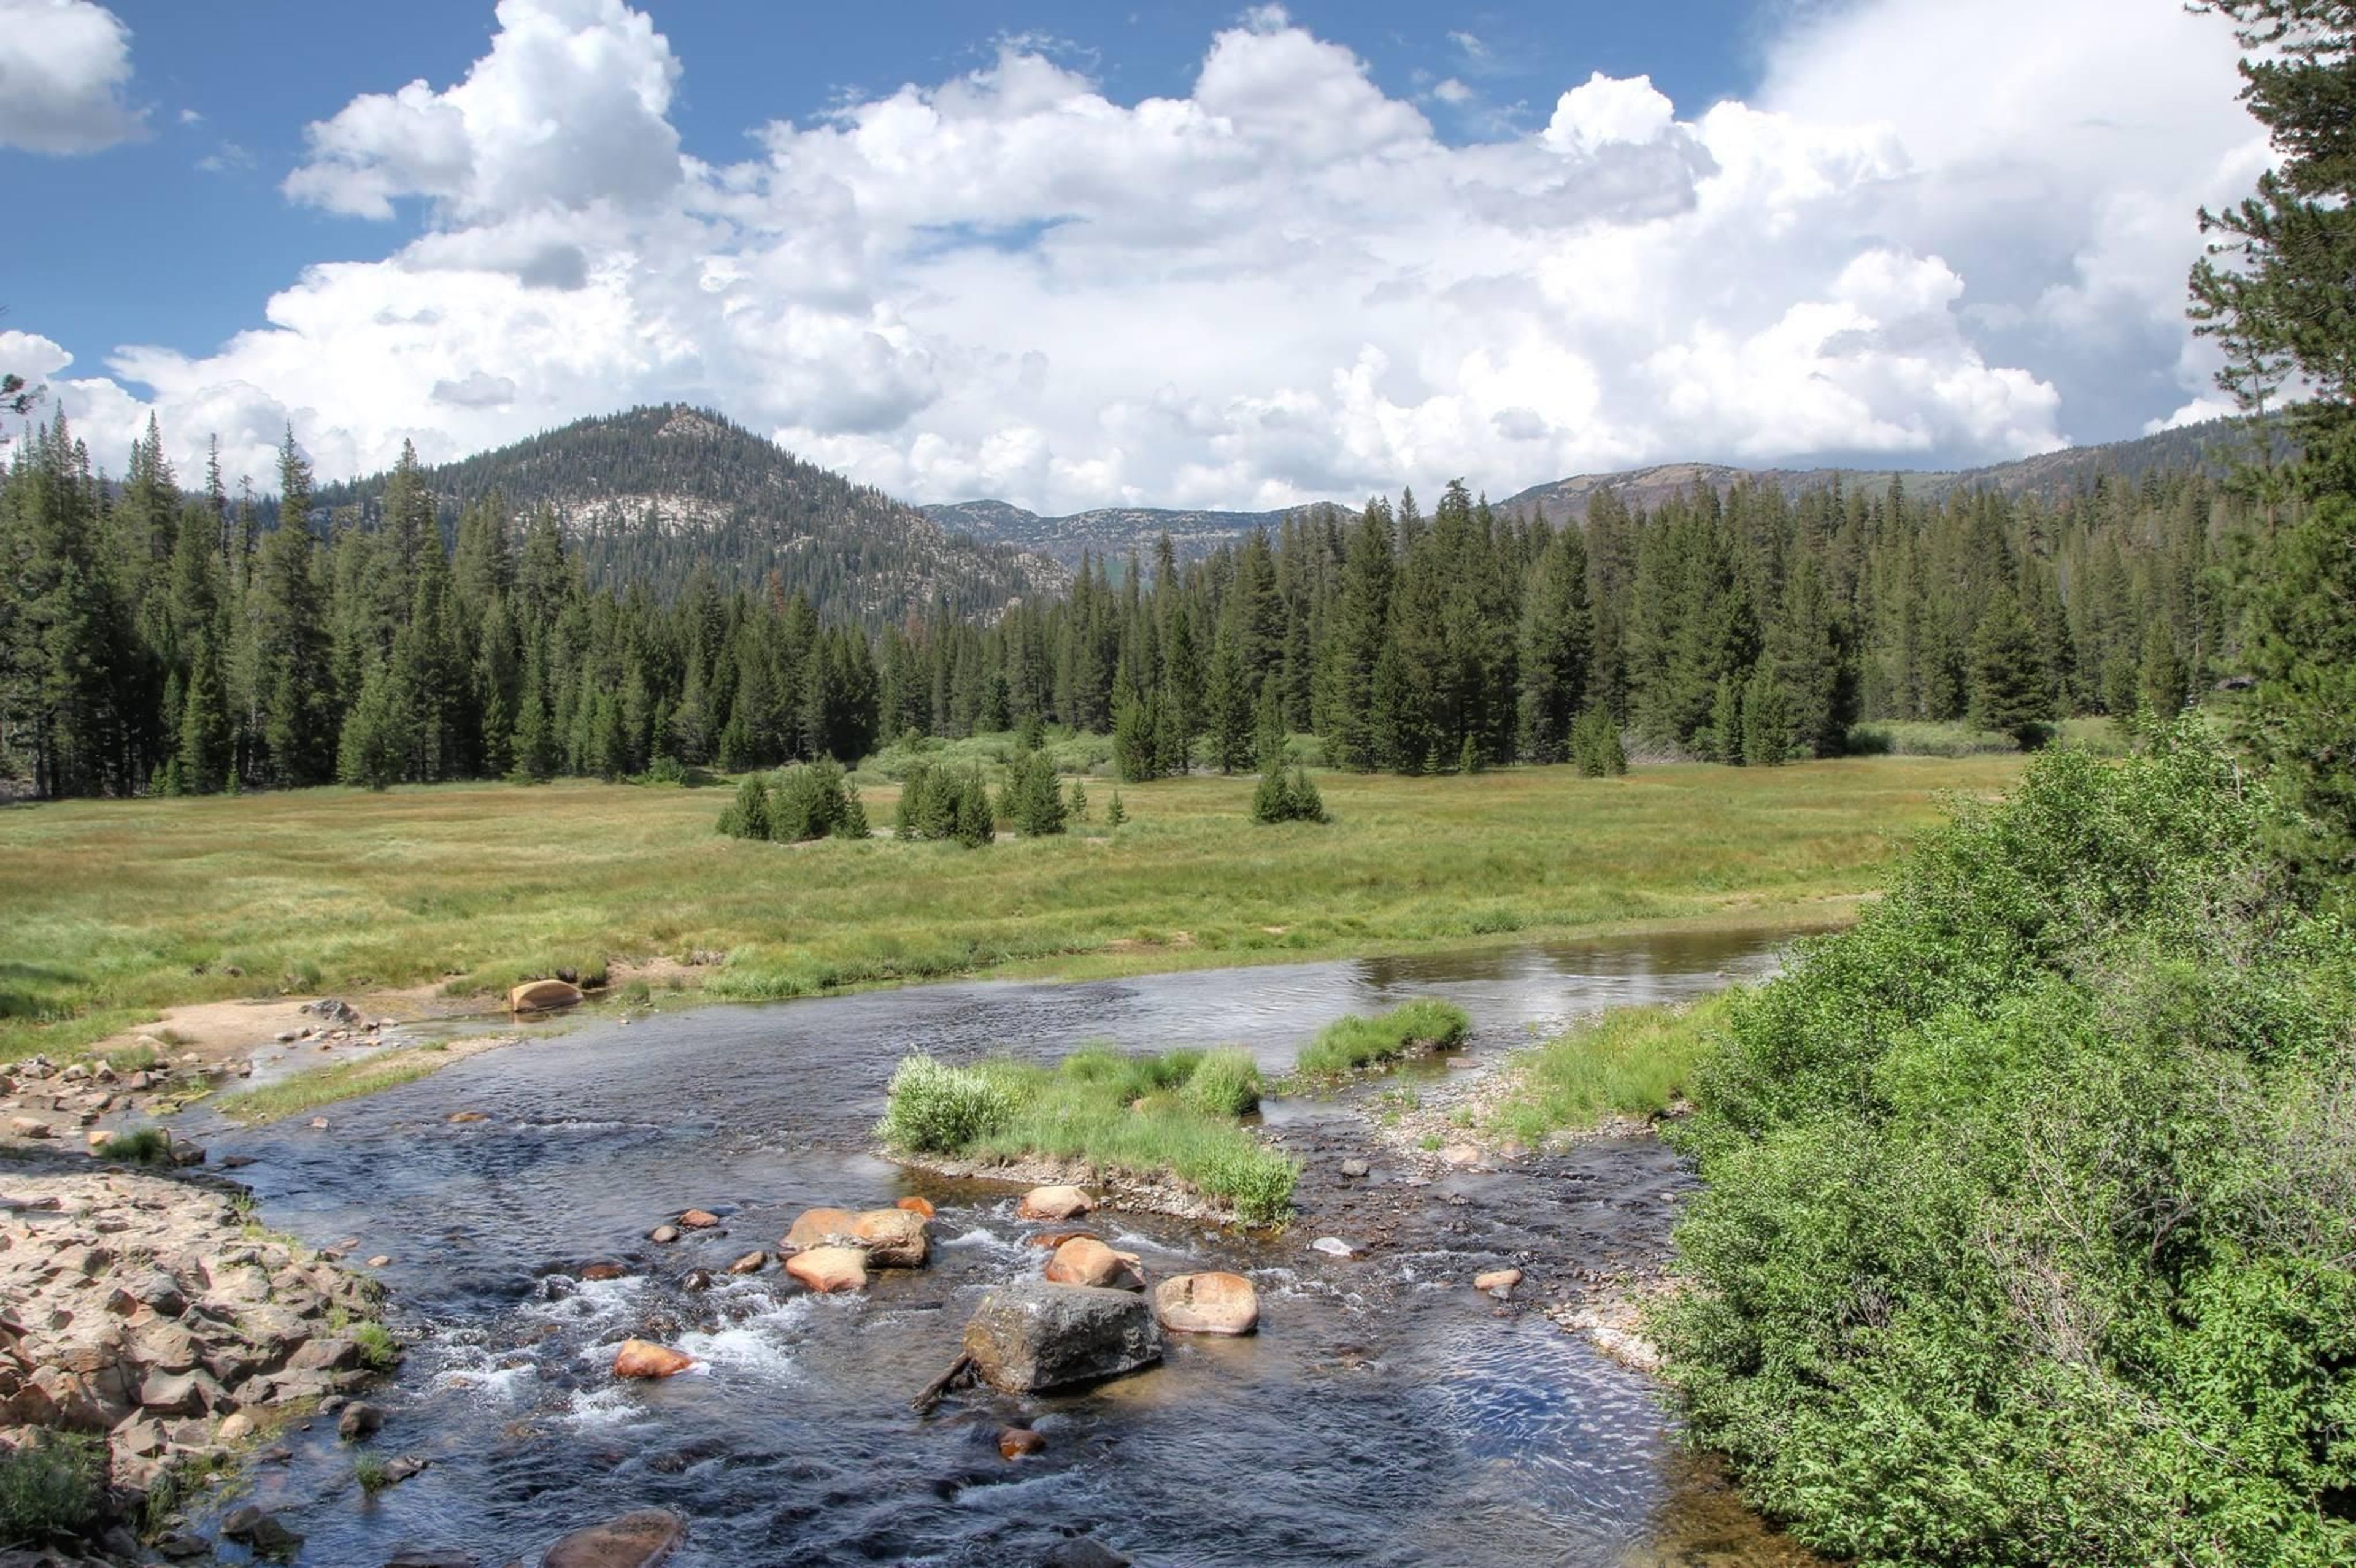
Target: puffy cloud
{"x": 1282, "y": 284}
{"x": 63, "y": 67}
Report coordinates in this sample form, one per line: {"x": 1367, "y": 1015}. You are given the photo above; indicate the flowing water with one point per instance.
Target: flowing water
{"x": 1383, "y": 1415}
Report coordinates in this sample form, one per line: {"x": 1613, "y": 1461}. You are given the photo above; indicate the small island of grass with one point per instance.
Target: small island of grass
{"x": 1175, "y": 1118}
{"x": 1411, "y": 1028}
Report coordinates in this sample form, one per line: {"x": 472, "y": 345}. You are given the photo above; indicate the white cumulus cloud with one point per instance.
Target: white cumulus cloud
{"x": 64, "y": 65}
{"x": 1925, "y": 237}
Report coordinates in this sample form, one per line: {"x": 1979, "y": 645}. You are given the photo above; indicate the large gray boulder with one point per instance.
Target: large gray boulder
{"x": 1036, "y": 1334}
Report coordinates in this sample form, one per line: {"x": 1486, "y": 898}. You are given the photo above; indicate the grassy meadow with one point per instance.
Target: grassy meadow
{"x": 113, "y": 910}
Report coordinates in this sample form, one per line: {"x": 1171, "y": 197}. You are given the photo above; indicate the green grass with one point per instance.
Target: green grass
{"x": 1350, "y": 1043}
{"x": 380, "y": 1351}
{"x": 368, "y": 1469}
{"x": 52, "y": 1487}
{"x": 146, "y": 1145}
{"x": 343, "y": 1081}
{"x": 1169, "y": 1117}
{"x": 119, "y": 908}
{"x": 134, "y": 1059}
{"x": 1631, "y": 1062}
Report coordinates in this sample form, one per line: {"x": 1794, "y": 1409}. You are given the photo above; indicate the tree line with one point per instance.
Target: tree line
{"x": 160, "y": 639}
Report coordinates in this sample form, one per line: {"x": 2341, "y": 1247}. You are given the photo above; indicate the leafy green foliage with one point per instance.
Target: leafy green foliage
{"x": 53, "y": 1488}
{"x": 2030, "y": 1199}
{"x": 1352, "y": 1042}
{"x": 1172, "y": 1116}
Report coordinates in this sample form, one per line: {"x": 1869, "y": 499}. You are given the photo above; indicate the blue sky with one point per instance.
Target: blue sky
{"x": 1080, "y": 255}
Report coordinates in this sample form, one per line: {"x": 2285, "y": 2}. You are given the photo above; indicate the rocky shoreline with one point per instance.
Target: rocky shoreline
{"x": 148, "y": 1310}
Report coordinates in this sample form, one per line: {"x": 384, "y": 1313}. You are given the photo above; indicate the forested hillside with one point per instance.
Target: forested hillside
{"x": 153, "y": 639}
{"x": 648, "y": 497}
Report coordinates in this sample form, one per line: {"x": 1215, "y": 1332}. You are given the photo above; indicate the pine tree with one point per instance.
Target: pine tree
{"x": 2161, "y": 682}
{"x": 2008, "y": 692}
{"x": 1724, "y": 735}
{"x": 1269, "y": 737}
{"x": 1229, "y": 702}
{"x": 1766, "y": 722}
{"x": 1078, "y": 808}
{"x": 1556, "y": 640}
{"x": 747, "y": 816}
{"x": 204, "y": 727}
{"x": 379, "y": 731}
{"x": 1114, "y": 815}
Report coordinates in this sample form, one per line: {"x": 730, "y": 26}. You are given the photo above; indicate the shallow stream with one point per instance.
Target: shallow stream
{"x": 1383, "y": 1415}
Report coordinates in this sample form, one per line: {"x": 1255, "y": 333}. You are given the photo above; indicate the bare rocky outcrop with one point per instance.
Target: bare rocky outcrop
{"x": 141, "y": 1308}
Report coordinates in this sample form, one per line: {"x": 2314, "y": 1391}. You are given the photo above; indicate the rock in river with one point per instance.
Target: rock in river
{"x": 638, "y": 1540}
{"x": 1035, "y": 1334}
{"x": 1084, "y": 1260}
{"x": 645, "y": 1358}
{"x": 818, "y": 1228}
{"x": 829, "y": 1268}
{"x": 1213, "y": 1303}
{"x": 894, "y": 1238}
{"x": 1054, "y": 1203}
{"x": 1498, "y": 1282}
{"x": 542, "y": 996}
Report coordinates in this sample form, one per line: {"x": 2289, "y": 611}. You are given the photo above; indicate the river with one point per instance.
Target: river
{"x": 1384, "y": 1414}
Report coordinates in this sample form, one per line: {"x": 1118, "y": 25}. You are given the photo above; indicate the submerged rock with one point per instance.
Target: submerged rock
{"x": 1054, "y": 1203}
{"x": 645, "y": 1358}
{"x": 1211, "y": 1303}
{"x": 1082, "y": 1552}
{"x": 639, "y": 1539}
{"x": 261, "y": 1531}
{"x": 1036, "y": 1334}
{"x": 1016, "y": 1442}
{"x": 1335, "y": 1247}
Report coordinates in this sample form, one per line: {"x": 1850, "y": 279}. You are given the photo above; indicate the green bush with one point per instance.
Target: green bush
{"x": 813, "y": 800}
{"x": 935, "y": 1108}
{"x": 380, "y": 1351}
{"x": 1595, "y": 745}
{"x": 1352, "y": 1042}
{"x": 747, "y": 816}
{"x": 2029, "y": 1200}
{"x": 1032, "y": 799}
{"x": 1281, "y": 798}
{"x": 52, "y": 1487}
{"x": 945, "y": 802}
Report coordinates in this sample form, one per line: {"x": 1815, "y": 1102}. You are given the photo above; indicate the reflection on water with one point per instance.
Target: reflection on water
{"x": 1383, "y": 1415}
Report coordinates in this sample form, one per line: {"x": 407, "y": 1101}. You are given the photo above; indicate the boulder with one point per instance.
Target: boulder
{"x": 1084, "y": 1260}
{"x": 697, "y": 1219}
{"x": 1355, "y": 1169}
{"x": 894, "y": 1238}
{"x": 644, "y": 1359}
{"x": 1015, "y": 1442}
{"x": 1498, "y": 1282}
{"x": 663, "y": 1235}
{"x": 751, "y": 1262}
{"x": 638, "y": 1540}
{"x": 1211, "y": 1303}
{"x": 544, "y": 996}
{"x": 825, "y": 1269}
{"x": 1054, "y": 1203}
{"x": 605, "y": 1271}
{"x": 264, "y": 1534}
{"x": 818, "y": 1228}
{"x": 1335, "y": 1247}
{"x": 915, "y": 1206}
{"x": 1036, "y": 1334}
{"x": 358, "y": 1420}
{"x": 29, "y": 1127}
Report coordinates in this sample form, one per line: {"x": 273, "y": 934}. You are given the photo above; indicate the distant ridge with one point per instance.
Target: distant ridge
{"x": 647, "y": 496}
{"x": 1117, "y": 530}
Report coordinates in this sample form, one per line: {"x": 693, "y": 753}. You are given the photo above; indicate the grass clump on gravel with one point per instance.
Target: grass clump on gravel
{"x": 1350, "y": 1043}
{"x": 1174, "y": 1117}
{"x": 1630, "y": 1061}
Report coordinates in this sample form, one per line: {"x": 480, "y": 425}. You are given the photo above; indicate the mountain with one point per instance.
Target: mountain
{"x": 646, "y": 497}
{"x": 1116, "y": 530}
{"x": 1111, "y": 531}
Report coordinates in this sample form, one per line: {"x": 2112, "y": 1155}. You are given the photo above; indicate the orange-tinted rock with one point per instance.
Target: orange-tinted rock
{"x": 1211, "y": 1303}
{"x": 645, "y": 1358}
{"x": 829, "y": 1268}
{"x": 542, "y": 996}
{"x": 1084, "y": 1260}
{"x": 606, "y": 1270}
{"x": 915, "y": 1206}
{"x": 751, "y": 1262}
{"x": 1057, "y": 1238}
{"x": 1056, "y": 1203}
{"x": 699, "y": 1219}
{"x": 1498, "y": 1281}
{"x": 818, "y": 1227}
{"x": 640, "y": 1540}
{"x": 460, "y": 1118}
{"x": 894, "y": 1238}
{"x": 1015, "y": 1442}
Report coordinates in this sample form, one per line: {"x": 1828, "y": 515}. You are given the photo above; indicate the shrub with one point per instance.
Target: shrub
{"x": 380, "y": 1351}
{"x": 812, "y": 802}
{"x": 664, "y": 770}
{"x": 1114, "y": 814}
{"x": 747, "y": 816}
{"x": 52, "y": 1487}
{"x": 935, "y": 1108}
{"x": 2028, "y": 1199}
{"x": 1352, "y": 1042}
{"x": 1595, "y": 744}
{"x": 945, "y": 802}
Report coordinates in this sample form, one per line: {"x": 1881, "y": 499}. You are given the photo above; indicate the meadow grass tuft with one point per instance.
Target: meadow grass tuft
{"x": 1349, "y": 1043}
{"x": 146, "y": 1145}
{"x": 1140, "y": 1115}
{"x": 1630, "y": 1061}
{"x": 343, "y": 1081}
{"x": 473, "y": 886}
